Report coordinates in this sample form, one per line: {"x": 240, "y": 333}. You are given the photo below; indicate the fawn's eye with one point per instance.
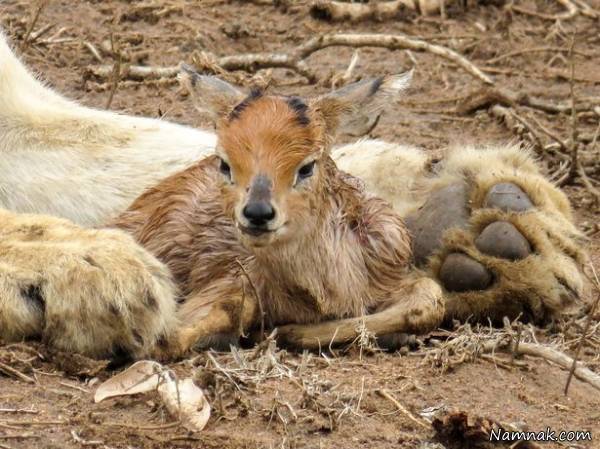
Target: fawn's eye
{"x": 225, "y": 169}
{"x": 306, "y": 171}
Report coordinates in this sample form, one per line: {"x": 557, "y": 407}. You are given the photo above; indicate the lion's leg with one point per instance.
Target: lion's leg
{"x": 94, "y": 292}
{"x": 416, "y": 308}
{"x": 217, "y": 316}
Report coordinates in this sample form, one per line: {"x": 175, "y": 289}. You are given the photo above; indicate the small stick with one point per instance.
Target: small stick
{"x": 93, "y": 50}
{"x": 550, "y": 354}
{"x": 116, "y": 72}
{"x": 586, "y": 328}
{"x": 74, "y": 387}
{"x": 258, "y": 299}
{"x": 571, "y": 11}
{"x": 550, "y": 134}
{"x": 34, "y": 423}
{"x": 402, "y": 409}
{"x": 36, "y": 15}
{"x": 140, "y": 427}
{"x": 392, "y": 42}
{"x": 517, "y": 341}
{"x": 13, "y": 372}
{"x": 39, "y": 33}
{"x": 19, "y": 436}
{"x": 511, "y": 54}
{"x": 296, "y": 59}
{"x": 18, "y": 410}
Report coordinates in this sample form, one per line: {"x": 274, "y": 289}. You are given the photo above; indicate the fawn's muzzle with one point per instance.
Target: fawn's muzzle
{"x": 259, "y": 213}
{"x": 259, "y": 210}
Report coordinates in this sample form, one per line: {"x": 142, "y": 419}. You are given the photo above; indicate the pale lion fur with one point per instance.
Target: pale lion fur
{"x": 63, "y": 159}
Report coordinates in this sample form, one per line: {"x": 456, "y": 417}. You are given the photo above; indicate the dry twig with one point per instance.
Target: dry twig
{"x": 27, "y": 40}
{"x": 420, "y": 422}
{"x": 116, "y": 70}
{"x": 15, "y": 373}
{"x": 571, "y": 11}
{"x": 584, "y": 334}
{"x": 296, "y": 60}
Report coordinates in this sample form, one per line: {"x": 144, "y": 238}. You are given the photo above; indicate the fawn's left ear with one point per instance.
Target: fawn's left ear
{"x": 355, "y": 108}
{"x": 210, "y": 94}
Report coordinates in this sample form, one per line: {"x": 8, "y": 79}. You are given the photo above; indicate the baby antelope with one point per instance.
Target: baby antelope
{"x": 268, "y": 230}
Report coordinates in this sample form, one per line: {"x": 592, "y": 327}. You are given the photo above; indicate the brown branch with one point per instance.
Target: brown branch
{"x": 36, "y": 15}
{"x": 296, "y": 59}
{"x": 487, "y": 97}
{"x": 391, "y": 42}
{"x": 512, "y": 54}
{"x": 116, "y": 71}
{"x": 586, "y": 328}
{"x": 571, "y": 11}
{"x": 261, "y": 309}
{"x": 549, "y": 354}
{"x": 15, "y": 373}
{"x": 528, "y": 127}
{"x": 417, "y": 420}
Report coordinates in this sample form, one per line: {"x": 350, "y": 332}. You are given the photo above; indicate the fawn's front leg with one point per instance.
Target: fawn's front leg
{"x": 216, "y": 316}
{"x": 416, "y": 308}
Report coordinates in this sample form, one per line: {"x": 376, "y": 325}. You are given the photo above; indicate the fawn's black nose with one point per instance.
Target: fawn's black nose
{"x": 259, "y": 213}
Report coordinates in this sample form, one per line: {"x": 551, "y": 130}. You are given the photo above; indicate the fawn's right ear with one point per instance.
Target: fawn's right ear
{"x": 356, "y": 107}
{"x": 210, "y": 94}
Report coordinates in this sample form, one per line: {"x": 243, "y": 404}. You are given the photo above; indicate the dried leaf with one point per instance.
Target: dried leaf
{"x": 140, "y": 377}
{"x": 185, "y": 401}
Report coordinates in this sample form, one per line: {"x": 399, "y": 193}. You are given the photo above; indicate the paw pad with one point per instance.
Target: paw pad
{"x": 445, "y": 208}
{"x": 460, "y": 273}
{"x": 502, "y": 239}
{"x": 507, "y": 196}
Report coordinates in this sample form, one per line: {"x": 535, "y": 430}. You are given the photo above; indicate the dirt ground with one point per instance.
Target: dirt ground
{"x": 273, "y": 399}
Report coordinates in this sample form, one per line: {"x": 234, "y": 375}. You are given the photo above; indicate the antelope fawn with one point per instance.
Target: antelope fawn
{"x": 314, "y": 245}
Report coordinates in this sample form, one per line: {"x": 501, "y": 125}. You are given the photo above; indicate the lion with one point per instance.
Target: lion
{"x": 133, "y": 236}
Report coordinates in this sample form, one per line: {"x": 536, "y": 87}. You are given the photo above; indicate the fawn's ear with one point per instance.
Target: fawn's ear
{"x": 210, "y": 94}
{"x": 354, "y": 109}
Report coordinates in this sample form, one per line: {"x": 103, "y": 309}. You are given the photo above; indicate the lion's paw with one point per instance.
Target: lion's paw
{"x": 501, "y": 243}
{"x": 95, "y": 292}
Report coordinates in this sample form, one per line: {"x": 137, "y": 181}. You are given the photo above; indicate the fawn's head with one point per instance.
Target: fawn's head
{"x": 274, "y": 150}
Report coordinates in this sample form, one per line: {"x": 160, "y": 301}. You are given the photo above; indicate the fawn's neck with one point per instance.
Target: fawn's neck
{"x": 321, "y": 273}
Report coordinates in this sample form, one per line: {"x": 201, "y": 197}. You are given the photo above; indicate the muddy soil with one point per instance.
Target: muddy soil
{"x": 312, "y": 401}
